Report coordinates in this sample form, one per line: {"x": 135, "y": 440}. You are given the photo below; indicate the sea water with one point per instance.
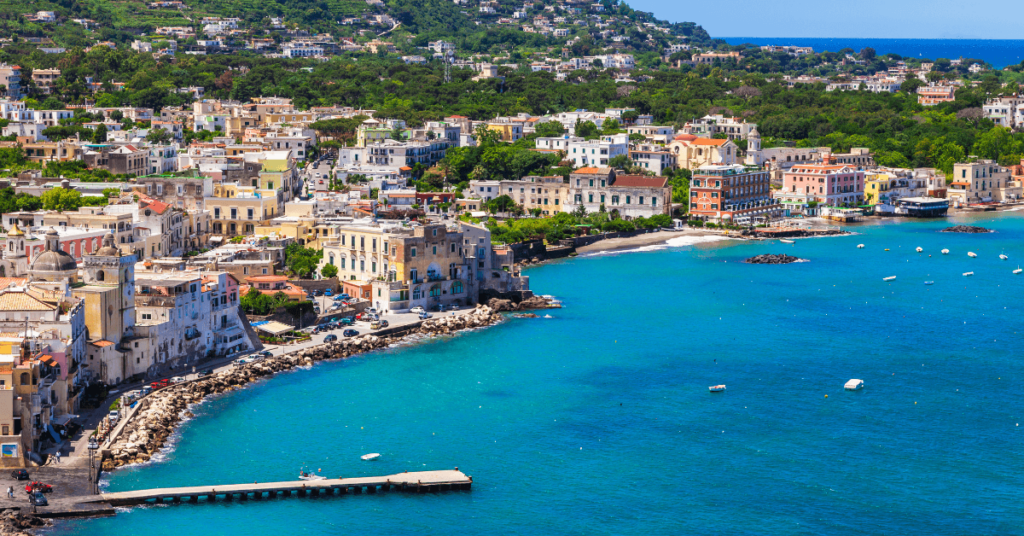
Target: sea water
{"x": 997, "y": 52}
{"x": 598, "y": 421}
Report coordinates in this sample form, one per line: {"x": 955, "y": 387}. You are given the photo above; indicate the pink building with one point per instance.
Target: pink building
{"x": 829, "y": 185}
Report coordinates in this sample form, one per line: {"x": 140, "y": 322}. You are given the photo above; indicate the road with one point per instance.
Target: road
{"x": 324, "y": 169}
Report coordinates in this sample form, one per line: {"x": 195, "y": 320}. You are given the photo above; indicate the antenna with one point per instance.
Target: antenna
{"x": 449, "y": 57}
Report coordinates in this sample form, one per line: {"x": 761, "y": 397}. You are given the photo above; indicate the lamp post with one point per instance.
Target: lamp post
{"x": 93, "y": 447}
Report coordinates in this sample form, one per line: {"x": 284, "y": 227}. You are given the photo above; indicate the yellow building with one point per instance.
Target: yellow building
{"x": 508, "y": 131}
{"x": 877, "y": 187}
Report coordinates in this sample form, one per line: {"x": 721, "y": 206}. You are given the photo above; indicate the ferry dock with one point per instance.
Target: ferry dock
{"x": 415, "y": 482}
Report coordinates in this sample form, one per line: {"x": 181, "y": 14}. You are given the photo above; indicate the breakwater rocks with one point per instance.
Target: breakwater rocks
{"x": 17, "y": 524}
{"x": 965, "y": 229}
{"x": 773, "y": 259}
{"x": 148, "y": 431}
{"x": 533, "y": 302}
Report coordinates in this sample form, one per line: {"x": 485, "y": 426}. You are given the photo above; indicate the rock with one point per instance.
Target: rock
{"x": 533, "y": 302}
{"x": 965, "y": 229}
{"x": 773, "y": 259}
{"x": 498, "y": 304}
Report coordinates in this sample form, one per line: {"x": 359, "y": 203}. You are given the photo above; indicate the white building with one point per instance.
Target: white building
{"x": 597, "y": 152}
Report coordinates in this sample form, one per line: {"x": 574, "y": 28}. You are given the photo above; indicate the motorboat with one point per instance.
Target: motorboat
{"x": 929, "y": 282}
{"x": 920, "y": 249}
{"x": 972, "y": 254}
{"x": 890, "y": 278}
{"x": 854, "y": 385}
{"x": 370, "y": 457}
{"x": 1003, "y": 257}
{"x": 716, "y": 388}
{"x": 945, "y": 252}
{"x": 968, "y": 274}
{"x": 1018, "y": 270}
{"x": 306, "y": 475}
{"x": 860, "y": 246}
{"x": 785, "y": 241}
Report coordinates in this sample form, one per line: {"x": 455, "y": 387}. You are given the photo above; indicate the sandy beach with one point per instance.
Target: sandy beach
{"x": 650, "y": 239}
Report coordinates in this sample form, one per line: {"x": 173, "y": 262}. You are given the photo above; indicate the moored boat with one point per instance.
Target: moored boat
{"x": 972, "y": 254}
{"x": 920, "y": 249}
{"x": 1003, "y": 257}
{"x": 945, "y": 252}
{"x": 854, "y": 385}
{"x": 968, "y": 274}
{"x": 860, "y": 246}
{"x": 1018, "y": 270}
{"x": 785, "y": 241}
{"x": 716, "y": 388}
{"x": 370, "y": 457}
{"x": 929, "y": 282}
{"x": 890, "y": 278}
{"x": 304, "y": 475}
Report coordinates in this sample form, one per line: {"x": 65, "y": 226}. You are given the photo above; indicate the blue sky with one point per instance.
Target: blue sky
{"x": 943, "y": 19}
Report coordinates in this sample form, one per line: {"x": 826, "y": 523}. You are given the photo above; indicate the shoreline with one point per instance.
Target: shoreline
{"x": 611, "y": 245}
{"x": 152, "y": 427}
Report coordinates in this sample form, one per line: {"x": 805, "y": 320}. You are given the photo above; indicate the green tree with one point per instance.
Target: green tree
{"x": 100, "y": 135}
{"x": 158, "y": 136}
{"x": 329, "y": 271}
{"x": 61, "y": 200}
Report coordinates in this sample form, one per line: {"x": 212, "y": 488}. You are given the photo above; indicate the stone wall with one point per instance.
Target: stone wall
{"x": 317, "y": 284}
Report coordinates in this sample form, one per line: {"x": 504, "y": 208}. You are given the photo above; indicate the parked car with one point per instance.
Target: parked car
{"x": 146, "y": 390}
{"x": 114, "y": 416}
{"x": 347, "y": 321}
{"x": 372, "y": 310}
{"x": 350, "y": 333}
{"x": 37, "y": 499}
{"x": 206, "y": 372}
{"x": 331, "y": 338}
{"x": 38, "y": 486}
{"x": 19, "y": 474}
{"x": 344, "y": 296}
{"x": 177, "y": 379}
{"x": 328, "y": 292}
{"x": 425, "y": 315}
{"x": 319, "y": 292}
{"x": 265, "y": 354}
{"x": 417, "y": 310}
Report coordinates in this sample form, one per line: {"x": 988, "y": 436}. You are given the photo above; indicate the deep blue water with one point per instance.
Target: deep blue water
{"x": 599, "y": 420}
{"x": 998, "y": 52}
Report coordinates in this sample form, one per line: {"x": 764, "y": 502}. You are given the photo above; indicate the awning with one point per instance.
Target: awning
{"x": 274, "y": 328}
{"x": 53, "y": 434}
{"x": 48, "y": 359}
{"x": 63, "y": 420}
{"x": 217, "y": 238}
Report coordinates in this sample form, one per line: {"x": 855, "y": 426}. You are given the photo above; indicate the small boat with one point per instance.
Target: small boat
{"x": 784, "y": 241}
{"x": 890, "y": 278}
{"x": 1003, "y": 257}
{"x": 716, "y": 388}
{"x": 548, "y": 316}
{"x": 972, "y": 254}
{"x": 370, "y": 457}
{"x": 920, "y": 249}
{"x": 968, "y": 274}
{"x": 945, "y": 252}
{"x": 887, "y": 249}
{"x": 303, "y": 475}
{"x": 860, "y": 246}
{"x": 854, "y": 385}
{"x": 1018, "y": 270}
{"x": 929, "y": 282}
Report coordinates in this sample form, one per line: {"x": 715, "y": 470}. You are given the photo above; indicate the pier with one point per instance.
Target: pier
{"x": 417, "y": 482}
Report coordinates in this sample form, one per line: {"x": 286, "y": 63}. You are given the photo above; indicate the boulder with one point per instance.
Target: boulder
{"x": 965, "y": 229}
{"x": 773, "y": 259}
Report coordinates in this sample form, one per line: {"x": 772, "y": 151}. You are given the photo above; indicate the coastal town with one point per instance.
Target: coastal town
{"x": 194, "y": 199}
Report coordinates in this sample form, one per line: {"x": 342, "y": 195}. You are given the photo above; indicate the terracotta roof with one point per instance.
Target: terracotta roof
{"x": 634, "y": 181}
{"x": 20, "y": 301}
{"x": 592, "y": 170}
{"x": 405, "y": 168}
{"x": 102, "y": 343}
{"x": 709, "y": 141}
{"x": 12, "y": 282}
{"x": 267, "y": 278}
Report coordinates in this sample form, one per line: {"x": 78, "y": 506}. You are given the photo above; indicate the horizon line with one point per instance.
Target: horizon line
{"x": 888, "y": 38}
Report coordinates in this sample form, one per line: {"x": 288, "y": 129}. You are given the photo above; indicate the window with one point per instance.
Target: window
{"x": 627, "y": 199}
{"x": 641, "y": 199}
{"x": 453, "y": 247}
{"x": 590, "y": 198}
{"x": 413, "y": 252}
{"x": 457, "y": 287}
{"x": 435, "y": 250}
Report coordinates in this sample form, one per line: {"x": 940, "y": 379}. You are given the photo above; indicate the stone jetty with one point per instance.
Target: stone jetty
{"x": 148, "y": 431}
{"x": 965, "y": 229}
{"x": 773, "y": 259}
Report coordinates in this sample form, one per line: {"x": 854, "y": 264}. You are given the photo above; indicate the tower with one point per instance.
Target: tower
{"x": 15, "y": 263}
{"x": 107, "y": 267}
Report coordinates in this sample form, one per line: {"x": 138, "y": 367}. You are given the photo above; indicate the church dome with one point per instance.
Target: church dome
{"x": 15, "y": 231}
{"x": 54, "y": 261}
{"x": 685, "y": 137}
{"x": 108, "y": 249}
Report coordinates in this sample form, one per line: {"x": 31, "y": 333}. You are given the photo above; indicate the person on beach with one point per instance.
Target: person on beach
{"x": 58, "y": 455}
{"x": 10, "y": 492}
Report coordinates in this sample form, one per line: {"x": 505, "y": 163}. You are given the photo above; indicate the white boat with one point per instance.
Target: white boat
{"x": 784, "y": 241}
{"x": 929, "y": 282}
{"x": 968, "y": 274}
{"x": 945, "y": 252}
{"x": 1018, "y": 270}
{"x": 370, "y": 457}
{"x": 854, "y": 385}
{"x": 1003, "y": 257}
{"x": 303, "y": 475}
{"x": 716, "y": 388}
{"x": 860, "y": 246}
{"x": 972, "y": 254}
{"x": 920, "y": 249}
{"x": 890, "y": 278}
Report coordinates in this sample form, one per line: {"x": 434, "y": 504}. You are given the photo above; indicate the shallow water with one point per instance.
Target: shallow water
{"x": 599, "y": 420}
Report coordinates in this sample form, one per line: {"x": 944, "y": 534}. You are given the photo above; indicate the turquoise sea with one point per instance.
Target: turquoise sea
{"x": 997, "y": 52}
{"x": 598, "y": 421}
